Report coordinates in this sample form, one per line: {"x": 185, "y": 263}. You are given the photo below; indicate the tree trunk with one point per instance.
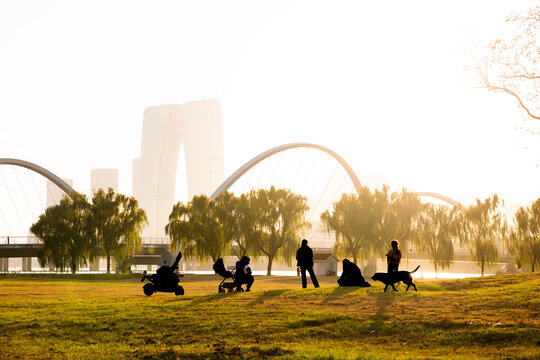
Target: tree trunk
{"x": 482, "y": 269}
{"x": 73, "y": 267}
{"x": 436, "y": 275}
{"x": 108, "y": 263}
{"x": 269, "y": 268}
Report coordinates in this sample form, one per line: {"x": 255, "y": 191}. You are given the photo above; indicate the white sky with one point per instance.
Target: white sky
{"x": 382, "y": 83}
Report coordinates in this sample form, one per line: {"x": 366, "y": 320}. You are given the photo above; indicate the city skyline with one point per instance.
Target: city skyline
{"x": 384, "y": 87}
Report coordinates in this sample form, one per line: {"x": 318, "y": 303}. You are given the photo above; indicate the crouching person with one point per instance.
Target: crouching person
{"x": 352, "y": 276}
{"x": 243, "y": 274}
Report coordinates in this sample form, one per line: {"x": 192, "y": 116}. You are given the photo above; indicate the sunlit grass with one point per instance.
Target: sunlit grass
{"x": 492, "y": 317}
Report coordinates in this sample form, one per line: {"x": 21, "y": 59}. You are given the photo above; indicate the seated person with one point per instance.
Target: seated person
{"x": 243, "y": 275}
{"x": 351, "y": 275}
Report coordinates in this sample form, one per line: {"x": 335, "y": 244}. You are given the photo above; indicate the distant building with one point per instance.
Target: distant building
{"x": 103, "y": 179}
{"x": 54, "y": 193}
{"x": 198, "y": 127}
{"x": 324, "y": 263}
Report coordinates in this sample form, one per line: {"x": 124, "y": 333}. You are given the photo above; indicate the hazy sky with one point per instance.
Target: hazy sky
{"x": 384, "y": 84}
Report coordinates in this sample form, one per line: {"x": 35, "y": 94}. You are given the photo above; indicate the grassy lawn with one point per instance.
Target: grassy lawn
{"x": 496, "y": 317}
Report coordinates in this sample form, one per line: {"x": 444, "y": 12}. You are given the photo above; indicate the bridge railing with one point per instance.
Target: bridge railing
{"x": 156, "y": 240}
{"x": 22, "y": 240}
{"x": 18, "y": 240}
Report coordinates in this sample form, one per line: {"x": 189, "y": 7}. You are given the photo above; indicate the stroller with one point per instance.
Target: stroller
{"x": 239, "y": 276}
{"x": 220, "y": 269}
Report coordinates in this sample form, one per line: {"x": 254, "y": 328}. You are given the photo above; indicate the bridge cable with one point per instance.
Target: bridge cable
{"x": 319, "y": 177}
{"x": 5, "y": 220}
{"x": 288, "y": 166}
{"x": 35, "y": 188}
{"x": 298, "y": 167}
{"x": 335, "y": 194}
{"x": 311, "y": 168}
{"x": 324, "y": 191}
{"x": 24, "y": 192}
{"x": 50, "y": 194}
{"x": 264, "y": 169}
{"x": 275, "y": 168}
{"x": 13, "y": 201}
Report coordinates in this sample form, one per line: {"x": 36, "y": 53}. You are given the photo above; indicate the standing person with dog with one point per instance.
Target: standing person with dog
{"x": 393, "y": 257}
{"x": 304, "y": 256}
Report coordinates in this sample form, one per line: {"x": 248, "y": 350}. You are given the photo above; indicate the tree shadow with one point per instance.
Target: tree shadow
{"x": 267, "y": 295}
{"x": 340, "y": 291}
{"x": 384, "y": 301}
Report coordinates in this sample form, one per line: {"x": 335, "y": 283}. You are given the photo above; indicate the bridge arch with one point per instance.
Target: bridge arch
{"x": 257, "y": 159}
{"x": 441, "y": 197}
{"x": 42, "y": 171}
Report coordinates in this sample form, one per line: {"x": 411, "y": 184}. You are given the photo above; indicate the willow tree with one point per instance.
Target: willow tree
{"x": 64, "y": 229}
{"x": 197, "y": 229}
{"x": 357, "y": 222}
{"x": 116, "y": 222}
{"x": 240, "y": 223}
{"x": 281, "y": 217}
{"x": 435, "y": 233}
{"x": 403, "y": 209}
{"x": 479, "y": 228}
{"x": 523, "y": 241}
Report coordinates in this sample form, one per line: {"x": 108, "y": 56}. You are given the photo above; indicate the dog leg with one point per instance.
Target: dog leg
{"x": 408, "y": 286}
{"x": 393, "y": 287}
{"x": 414, "y": 287}
{"x": 386, "y": 287}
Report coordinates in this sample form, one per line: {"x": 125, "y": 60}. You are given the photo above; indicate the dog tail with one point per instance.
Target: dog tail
{"x": 415, "y": 269}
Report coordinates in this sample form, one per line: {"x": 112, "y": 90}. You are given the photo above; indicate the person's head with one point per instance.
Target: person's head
{"x": 304, "y": 242}
{"x": 245, "y": 260}
{"x": 394, "y": 244}
{"x": 346, "y": 262}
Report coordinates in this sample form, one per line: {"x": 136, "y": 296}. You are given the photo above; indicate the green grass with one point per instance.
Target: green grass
{"x": 491, "y": 318}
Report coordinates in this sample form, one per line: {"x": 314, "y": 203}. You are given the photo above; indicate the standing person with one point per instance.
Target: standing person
{"x": 304, "y": 256}
{"x": 393, "y": 257}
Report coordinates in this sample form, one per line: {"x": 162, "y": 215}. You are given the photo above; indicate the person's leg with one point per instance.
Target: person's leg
{"x": 303, "y": 273}
{"x": 313, "y": 277}
{"x": 249, "y": 282}
{"x": 389, "y": 268}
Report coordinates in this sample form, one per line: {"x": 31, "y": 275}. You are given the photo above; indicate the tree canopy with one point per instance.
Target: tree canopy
{"x": 198, "y": 229}
{"x": 523, "y": 240}
{"x": 64, "y": 230}
{"x": 435, "y": 233}
{"x": 479, "y": 228}
{"x": 116, "y": 222}
{"x": 357, "y": 222}
{"x": 281, "y": 218}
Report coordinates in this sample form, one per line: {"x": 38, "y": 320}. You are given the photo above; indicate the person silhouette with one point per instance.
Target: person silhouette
{"x": 351, "y": 275}
{"x": 393, "y": 257}
{"x": 304, "y": 256}
{"x": 243, "y": 275}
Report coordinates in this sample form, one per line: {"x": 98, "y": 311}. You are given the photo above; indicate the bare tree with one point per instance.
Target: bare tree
{"x": 512, "y": 65}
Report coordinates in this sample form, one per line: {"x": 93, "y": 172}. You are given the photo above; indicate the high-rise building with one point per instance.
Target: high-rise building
{"x": 198, "y": 127}
{"x": 54, "y": 193}
{"x": 103, "y": 179}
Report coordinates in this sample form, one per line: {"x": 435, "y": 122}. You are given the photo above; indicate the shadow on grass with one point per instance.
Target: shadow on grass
{"x": 384, "y": 301}
{"x": 338, "y": 292}
{"x": 207, "y": 298}
{"x": 267, "y": 295}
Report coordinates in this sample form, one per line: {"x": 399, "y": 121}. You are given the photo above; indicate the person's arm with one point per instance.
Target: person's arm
{"x": 398, "y": 255}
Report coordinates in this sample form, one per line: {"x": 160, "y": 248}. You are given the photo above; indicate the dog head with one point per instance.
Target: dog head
{"x": 378, "y": 277}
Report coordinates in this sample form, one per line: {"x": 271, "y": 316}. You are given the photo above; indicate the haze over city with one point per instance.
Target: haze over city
{"x": 388, "y": 86}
